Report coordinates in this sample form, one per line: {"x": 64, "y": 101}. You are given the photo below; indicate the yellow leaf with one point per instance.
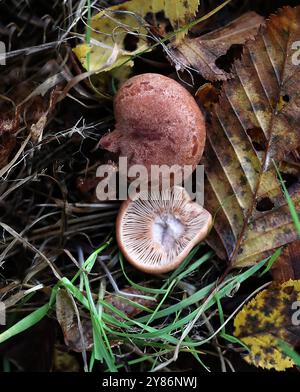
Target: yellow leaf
{"x": 266, "y": 319}
{"x": 111, "y": 28}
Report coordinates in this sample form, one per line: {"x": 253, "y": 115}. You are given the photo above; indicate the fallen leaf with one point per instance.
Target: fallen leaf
{"x": 287, "y": 266}
{"x": 207, "y": 95}
{"x": 202, "y": 53}
{"x": 268, "y": 318}
{"x": 75, "y": 339}
{"x": 66, "y": 315}
{"x": 250, "y": 128}
{"x": 112, "y": 28}
{"x": 124, "y": 304}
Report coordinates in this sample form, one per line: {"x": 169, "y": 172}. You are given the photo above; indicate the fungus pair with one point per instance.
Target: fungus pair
{"x": 158, "y": 123}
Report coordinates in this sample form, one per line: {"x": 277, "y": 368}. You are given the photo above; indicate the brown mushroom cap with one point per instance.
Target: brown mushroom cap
{"x": 156, "y": 234}
{"x": 157, "y": 122}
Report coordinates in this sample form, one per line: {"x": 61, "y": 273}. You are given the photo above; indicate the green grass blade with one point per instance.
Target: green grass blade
{"x": 272, "y": 260}
{"x": 289, "y": 200}
{"x": 289, "y": 351}
{"x": 27, "y": 322}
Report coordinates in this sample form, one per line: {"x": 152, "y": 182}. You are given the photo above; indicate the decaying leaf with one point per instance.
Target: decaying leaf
{"x": 119, "y": 32}
{"x": 124, "y": 304}
{"x": 202, "y": 53}
{"x": 287, "y": 266}
{"x": 268, "y": 318}
{"x": 79, "y": 336}
{"x": 255, "y": 122}
{"x": 207, "y": 95}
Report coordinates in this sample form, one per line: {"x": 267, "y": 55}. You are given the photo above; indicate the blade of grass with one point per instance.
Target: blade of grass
{"x": 88, "y": 32}
{"x": 289, "y": 200}
{"x": 272, "y": 260}
{"x": 135, "y": 285}
{"x": 289, "y": 351}
{"x": 233, "y": 339}
{"x": 27, "y": 322}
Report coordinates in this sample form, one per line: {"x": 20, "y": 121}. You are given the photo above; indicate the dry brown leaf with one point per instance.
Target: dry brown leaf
{"x": 79, "y": 336}
{"x": 255, "y": 122}
{"x": 124, "y": 304}
{"x": 287, "y": 266}
{"x": 207, "y": 95}
{"x": 202, "y": 53}
{"x": 75, "y": 339}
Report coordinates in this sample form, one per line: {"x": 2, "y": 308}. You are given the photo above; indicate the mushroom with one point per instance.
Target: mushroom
{"x": 158, "y": 122}
{"x": 157, "y": 232}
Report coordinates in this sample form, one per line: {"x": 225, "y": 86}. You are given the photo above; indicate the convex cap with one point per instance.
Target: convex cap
{"x": 157, "y": 122}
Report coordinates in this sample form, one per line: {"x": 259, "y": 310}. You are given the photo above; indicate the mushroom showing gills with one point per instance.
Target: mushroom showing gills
{"x": 157, "y": 233}
{"x": 157, "y": 122}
